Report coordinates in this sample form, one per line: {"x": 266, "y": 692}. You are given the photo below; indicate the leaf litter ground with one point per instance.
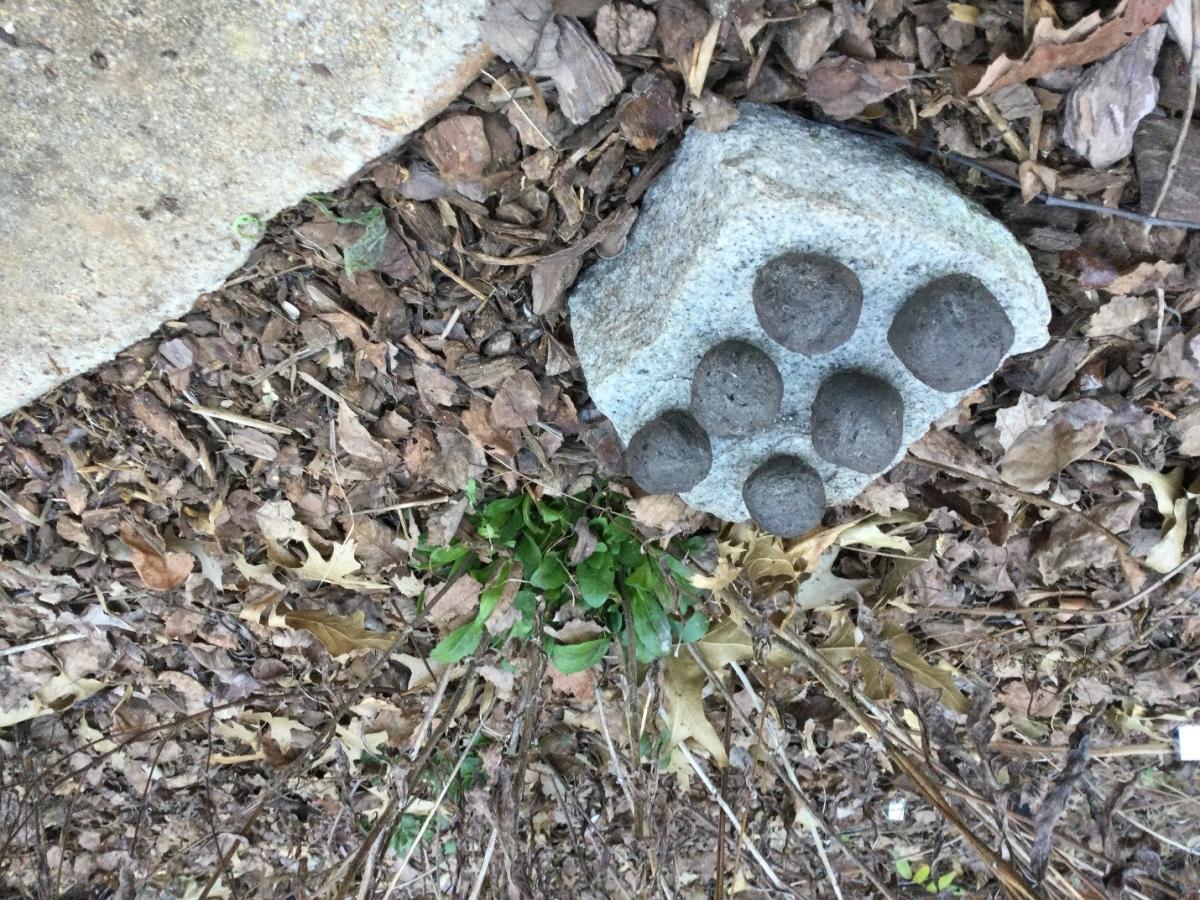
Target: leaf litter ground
{"x": 265, "y": 631}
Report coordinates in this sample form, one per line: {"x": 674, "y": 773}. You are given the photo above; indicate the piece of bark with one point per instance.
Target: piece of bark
{"x": 1102, "y": 111}
{"x": 805, "y": 39}
{"x": 1152, "y": 146}
{"x": 622, "y": 28}
{"x": 585, "y": 76}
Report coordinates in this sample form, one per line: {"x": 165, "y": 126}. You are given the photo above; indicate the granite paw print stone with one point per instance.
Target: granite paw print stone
{"x": 795, "y": 306}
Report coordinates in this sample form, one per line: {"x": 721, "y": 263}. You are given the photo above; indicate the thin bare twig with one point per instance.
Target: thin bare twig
{"x": 716, "y": 795}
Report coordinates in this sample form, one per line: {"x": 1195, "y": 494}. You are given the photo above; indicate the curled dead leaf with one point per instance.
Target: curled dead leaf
{"x": 160, "y": 569}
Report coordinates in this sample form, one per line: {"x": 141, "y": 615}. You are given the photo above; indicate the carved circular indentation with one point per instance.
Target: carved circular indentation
{"x": 736, "y": 390}
{"x": 807, "y": 302}
{"x": 785, "y": 496}
{"x": 669, "y": 455}
{"x": 857, "y": 422}
{"x": 951, "y": 333}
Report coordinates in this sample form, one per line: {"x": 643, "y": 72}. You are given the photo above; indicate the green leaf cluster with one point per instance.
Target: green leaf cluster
{"x": 582, "y": 548}
{"x": 923, "y": 876}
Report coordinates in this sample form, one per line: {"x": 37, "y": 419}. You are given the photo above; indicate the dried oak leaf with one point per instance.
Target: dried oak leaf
{"x": 843, "y": 86}
{"x": 622, "y": 28}
{"x": 1086, "y": 41}
{"x": 159, "y": 568}
{"x": 338, "y": 634}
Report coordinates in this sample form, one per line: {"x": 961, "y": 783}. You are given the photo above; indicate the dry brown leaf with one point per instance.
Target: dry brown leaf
{"x": 1119, "y": 315}
{"x": 337, "y": 569}
{"x": 159, "y": 568}
{"x": 1146, "y": 277}
{"x": 338, "y": 634}
{"x": 356, "y": 441}
{"x": 664, "y": 514}
{"x": 683, "y": 686}
{"x": 846, "y": 642}
{"x": 277, "y": 522}
{"x": 844, "y": 86}
{"x": 435, "y": 386}
{"x": 1187, "y": 429}
{"x": 683, "y": 690}
{"x": 516, "y": 402}
{"x": 458, "y": 604}
{"x": 147, "y": 408}
{"x": 1043, "y": 450}
{"x": 59, "y": 693}
{"x": 1052, "y": 48}
{"x": 480, "y": 428}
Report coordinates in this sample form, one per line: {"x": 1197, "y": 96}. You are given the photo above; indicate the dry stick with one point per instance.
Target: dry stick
{"x": 716, "y": 795}
{"x": 392, "y": 812}
{"x": 1012, "y": 748}
{"x": 612, "y": 750}
{"x": 1002, "y": 125}
{"x": 635, "y": 738}
{"x": 433, "y": 810}
{"x": 788, "y": 776}
{"x": 719, "y": 890}
{"x": 485, "y": 864}
{"x": 829, "y": 678}
{"x": 1189, "y": 109}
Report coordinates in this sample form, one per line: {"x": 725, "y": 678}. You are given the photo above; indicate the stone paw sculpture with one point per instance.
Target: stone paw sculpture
{"x": 794, "y": 307}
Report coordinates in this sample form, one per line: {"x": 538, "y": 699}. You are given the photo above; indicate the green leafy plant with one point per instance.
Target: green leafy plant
{"x": 581, "y": 548}
{"x": 469, "y": 774}
{"x": 924, "y": 877}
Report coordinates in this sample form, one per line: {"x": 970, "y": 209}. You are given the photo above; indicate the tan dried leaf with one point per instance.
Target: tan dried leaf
{"x": 356, "y": 441}
{"x": 1040, "y": 452}
{"x": 1119, "y": 315}
{"x": 1086, "y": 41}
{"x": 58, "y": 693}
{"x": 683, "y": 690}
{"x": 159, "y": 568}
{"x": 338, "y": 634}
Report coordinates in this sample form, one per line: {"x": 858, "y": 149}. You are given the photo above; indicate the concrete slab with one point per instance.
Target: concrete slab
{"x": 135, "y": 133}
{"x": 782, "y": 250}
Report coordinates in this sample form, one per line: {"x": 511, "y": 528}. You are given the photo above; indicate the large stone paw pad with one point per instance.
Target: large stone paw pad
{"x": 775, "y": 335}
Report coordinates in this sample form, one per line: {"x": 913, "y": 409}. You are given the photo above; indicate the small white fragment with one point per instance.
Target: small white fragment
{"x": 897, "y": 809}
{"x": 1189, "y": 742}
